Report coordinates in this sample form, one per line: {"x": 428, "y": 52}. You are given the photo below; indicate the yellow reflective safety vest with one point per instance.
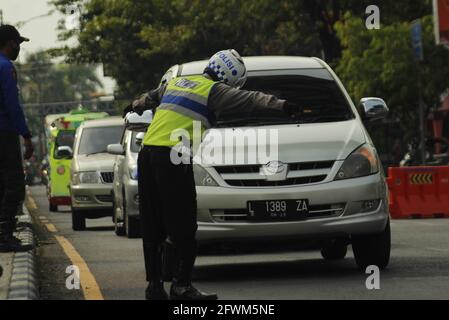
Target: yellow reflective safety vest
{"x": 184, "y": 101}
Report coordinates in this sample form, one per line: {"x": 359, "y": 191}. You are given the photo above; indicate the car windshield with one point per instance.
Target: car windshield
{"x": 64, "y": 138}
{"x": 314, "y": 90}
{"x": 96, "y": 140}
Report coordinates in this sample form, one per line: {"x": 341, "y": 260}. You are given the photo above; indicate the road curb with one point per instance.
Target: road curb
{"x": 24, "y": 284}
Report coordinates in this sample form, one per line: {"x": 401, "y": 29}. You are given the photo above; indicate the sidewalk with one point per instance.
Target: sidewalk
{"x": 18, "y": 281}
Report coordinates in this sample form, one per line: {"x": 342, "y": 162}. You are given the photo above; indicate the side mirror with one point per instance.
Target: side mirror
{"x": 64, "y": 152}
{"x": 134, "y": 122}
{"x": 116, "y": 149}
{"x": 373, "y": 109}
{"x": 139, "y": 138}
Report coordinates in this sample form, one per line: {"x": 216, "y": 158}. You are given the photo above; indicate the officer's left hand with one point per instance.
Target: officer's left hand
{"x": 293, "y": 109}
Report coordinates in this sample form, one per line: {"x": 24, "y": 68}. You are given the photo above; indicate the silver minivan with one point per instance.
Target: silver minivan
{"x": 323, "y": 184}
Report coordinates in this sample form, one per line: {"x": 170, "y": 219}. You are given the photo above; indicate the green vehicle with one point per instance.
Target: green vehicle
{"x": 60, "y": 132}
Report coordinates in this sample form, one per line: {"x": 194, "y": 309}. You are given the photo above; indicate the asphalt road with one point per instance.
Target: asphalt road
{"x": 419, "y": 267}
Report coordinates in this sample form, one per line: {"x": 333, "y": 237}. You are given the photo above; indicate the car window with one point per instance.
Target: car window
{"x": 313, "y": 89}
{"x": 96, "y": 140}
{"x": 65, "y": 138}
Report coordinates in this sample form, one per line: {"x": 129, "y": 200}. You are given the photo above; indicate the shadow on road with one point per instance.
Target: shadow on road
{"x": 277, "y": 269}
{"x": 105, "y": 228}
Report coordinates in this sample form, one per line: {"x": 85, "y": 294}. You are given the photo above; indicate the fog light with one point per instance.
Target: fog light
{"x": 370, "y": 205}
{"x": 60, "y": 170}
{"x": 82, "y": 198}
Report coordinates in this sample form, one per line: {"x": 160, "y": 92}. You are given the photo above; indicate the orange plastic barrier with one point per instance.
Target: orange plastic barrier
{"x": 419, "y": 192}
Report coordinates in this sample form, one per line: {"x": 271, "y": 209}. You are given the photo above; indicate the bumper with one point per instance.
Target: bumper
{"x": 352, "y": 220}
{"x": 60, "y": 201}
{"x": 91, "y": 196}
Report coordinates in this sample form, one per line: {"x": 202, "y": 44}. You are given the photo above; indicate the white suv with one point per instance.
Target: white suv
{"x": 325, "y": 182}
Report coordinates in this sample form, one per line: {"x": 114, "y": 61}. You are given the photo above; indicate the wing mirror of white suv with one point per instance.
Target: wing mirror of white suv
{"x": 373, "y": 109}
{"x": 139, "y": 138}
{"x": 116, "y": 149}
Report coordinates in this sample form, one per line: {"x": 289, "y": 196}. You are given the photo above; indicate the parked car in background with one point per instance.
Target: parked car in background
{"x": 125, "y": 189}
{"x": 92, "y": 170}
{"x": 60, "y": 131}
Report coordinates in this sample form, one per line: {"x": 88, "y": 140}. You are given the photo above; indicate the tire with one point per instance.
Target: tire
{"x": 78, "y": 220}
{"x": 119, "y": 231}
{"x": 132, "y": 226}
{"x": 335, "y": 251}
{"x": 52, "y": 207}
{"x": 372, "y": 249}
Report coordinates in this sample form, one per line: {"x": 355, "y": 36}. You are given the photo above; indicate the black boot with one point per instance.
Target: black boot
{"x": 189, "y": 292}
{"x": 9, "y": 243}
{"x": 182, "y": 288}
{"x": 156, "y": 291}
{"x": 153, "y": 266}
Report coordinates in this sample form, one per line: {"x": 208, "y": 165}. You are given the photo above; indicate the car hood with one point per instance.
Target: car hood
{"x": 296, "y": 143}
{"x": 95, "y": 162}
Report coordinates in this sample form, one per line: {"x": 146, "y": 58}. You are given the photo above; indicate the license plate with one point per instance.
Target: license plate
{"x": 278, "y": 210}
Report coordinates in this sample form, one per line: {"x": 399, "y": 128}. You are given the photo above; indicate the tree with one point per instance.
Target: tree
{"x": 138, "y": 40}
{"x": 381, "y": 63}
{"x": 43, "y": 81}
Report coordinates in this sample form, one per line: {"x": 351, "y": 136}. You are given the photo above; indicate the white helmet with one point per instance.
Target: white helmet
{"x": 228, "y": 67}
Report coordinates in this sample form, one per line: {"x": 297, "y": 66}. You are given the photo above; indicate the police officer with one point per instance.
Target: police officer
{"x": 12, "y": 124}
{"x": 166, "y": 189}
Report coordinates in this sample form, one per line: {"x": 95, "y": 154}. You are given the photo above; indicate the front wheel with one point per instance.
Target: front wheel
{"x": 334, "y": 251}
{"x": 372, "y": 249}
{"x": 119, "y": 228}
{"x": 78, "y": 220}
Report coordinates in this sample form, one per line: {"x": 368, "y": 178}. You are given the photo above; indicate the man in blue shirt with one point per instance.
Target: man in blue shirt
{"x": 12, "y": 125}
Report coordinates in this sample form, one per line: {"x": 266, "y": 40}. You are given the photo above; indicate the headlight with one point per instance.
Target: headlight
{"x": 362, "y": 162}
{"x": 91, "y": 177}
{"x": 202, "y": 178}
{"x": 133, "y": 173}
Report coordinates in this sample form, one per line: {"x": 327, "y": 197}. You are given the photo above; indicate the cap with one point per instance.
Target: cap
{"x": 8, "y": 32}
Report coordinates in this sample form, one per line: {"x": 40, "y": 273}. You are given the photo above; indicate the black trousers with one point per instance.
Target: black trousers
{"x": 12, "y": 181}
{"x": 167, "y": 200}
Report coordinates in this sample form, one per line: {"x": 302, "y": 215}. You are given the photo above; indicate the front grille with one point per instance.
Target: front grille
{"x": 253, "y": 180}
{"x": 104, "y": 198}
{"x": 315, "y": 212}
{"x": 294, "y": 166}
{"x": 108, "y": 177}
{"x": 265, "y": 183}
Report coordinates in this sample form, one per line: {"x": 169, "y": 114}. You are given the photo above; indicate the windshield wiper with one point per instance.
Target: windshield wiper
{"x": 89, "y": 154}
{"x": 251, "y": 122}
{"x": 328, "y": 118}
